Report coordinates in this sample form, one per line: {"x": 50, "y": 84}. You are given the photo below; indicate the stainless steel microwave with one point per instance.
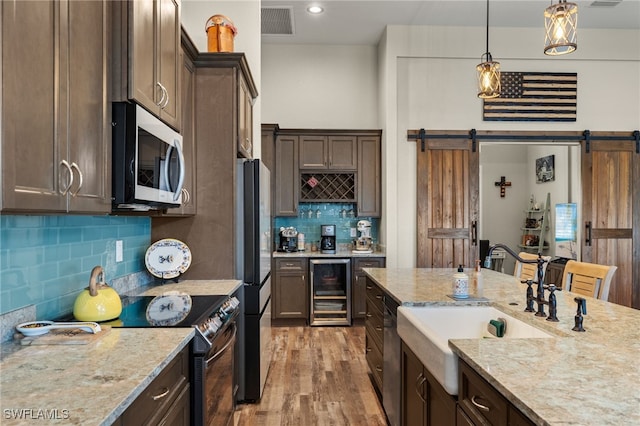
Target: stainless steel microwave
{"x": 148, "y": 162}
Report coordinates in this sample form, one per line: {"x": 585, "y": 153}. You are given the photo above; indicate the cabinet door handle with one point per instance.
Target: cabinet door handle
{"x": 368, "y": 349}
{"x": 165, "y": 392}
{"x": 69, "y": 179}
{"x": 378, "y": 296}
{"x": 419, "y": 388}
{"x": 474, "y": 233}
{"x": 378, "y": 369}
{"x": 378, "y": 328}
{"x": 478, "y": 405}
{"x": 166, "y": 101}
{"x": 80, "y": 179}
{"x": 164, "y": 95}
{"x": 587, "y": 240}
{"x": 369, "y": 287}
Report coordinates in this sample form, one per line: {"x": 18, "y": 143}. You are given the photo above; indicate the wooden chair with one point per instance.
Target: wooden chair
{"x": 588, "y": 279}
{"x": 529, "y": 271}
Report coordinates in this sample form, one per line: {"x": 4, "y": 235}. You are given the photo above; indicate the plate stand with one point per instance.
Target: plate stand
{"x": 162, "y": 280}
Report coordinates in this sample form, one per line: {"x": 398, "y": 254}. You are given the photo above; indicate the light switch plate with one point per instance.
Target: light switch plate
{"x": 353, "y": 233}
{"x": 119, "y": 251}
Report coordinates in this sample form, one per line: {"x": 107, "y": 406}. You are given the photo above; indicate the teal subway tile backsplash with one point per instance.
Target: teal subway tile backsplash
{"x": 47, "y": 260}
{"x": 312, "y": 215}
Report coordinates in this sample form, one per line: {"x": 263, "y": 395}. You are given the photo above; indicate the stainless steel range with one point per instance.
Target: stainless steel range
{"x": 212, "y": 349}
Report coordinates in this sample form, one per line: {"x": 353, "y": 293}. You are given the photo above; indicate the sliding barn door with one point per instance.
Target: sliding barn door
{"x": 611, "y": 214}
{"x": 447, "y": 202}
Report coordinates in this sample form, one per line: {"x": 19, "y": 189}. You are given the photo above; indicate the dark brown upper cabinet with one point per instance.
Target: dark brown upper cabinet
{"x": 56, "y": 137}
{"x": 354, "y": 176}
{"x": 146, "y": 60}
{"x": 319, "y": 152}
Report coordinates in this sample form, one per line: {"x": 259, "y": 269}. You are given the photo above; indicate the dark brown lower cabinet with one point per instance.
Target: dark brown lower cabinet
{"x": 166, "y": 401}
{"x": 483, "y": 404}
{"x": 424, "y": 400}
{"x": 290, "y": 289}
{"x": 374, "y": 332}
{"x": 358, "y": 284}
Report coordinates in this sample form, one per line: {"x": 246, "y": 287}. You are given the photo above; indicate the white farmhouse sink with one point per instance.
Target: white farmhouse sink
{"x": 427, "y": 330}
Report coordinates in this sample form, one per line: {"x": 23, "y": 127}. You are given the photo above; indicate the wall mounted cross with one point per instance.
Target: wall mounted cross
{"x": 502, "y": 184}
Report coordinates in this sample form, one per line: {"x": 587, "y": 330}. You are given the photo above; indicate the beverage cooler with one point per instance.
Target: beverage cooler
{"x": 330, "y": 292}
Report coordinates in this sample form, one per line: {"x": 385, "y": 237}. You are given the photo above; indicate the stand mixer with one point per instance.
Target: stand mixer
{"x": 364, "y": 243}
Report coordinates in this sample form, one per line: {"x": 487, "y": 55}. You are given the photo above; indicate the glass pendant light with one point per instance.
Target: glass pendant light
{"x": 560, "y": 26}
{"x": 488, "y": 72}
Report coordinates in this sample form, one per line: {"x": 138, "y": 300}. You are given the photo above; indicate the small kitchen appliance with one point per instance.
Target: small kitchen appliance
{"x": 328, "y": 239}
{"x": 364, "y": 244}
{"x": 288, "y": 239}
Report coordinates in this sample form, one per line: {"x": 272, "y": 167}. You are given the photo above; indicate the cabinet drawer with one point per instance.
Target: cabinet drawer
{"x": 358, "y": 264}
{"x": 480, "y": 400}
{"x": 155, "y": 400}
{"x": 374, "y": 322}
{"x": 375, "y": 296}
{"x": 291, "y": 264}
{"x": 374, "y": 360}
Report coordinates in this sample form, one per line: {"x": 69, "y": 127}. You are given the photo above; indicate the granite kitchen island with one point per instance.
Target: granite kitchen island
{"x": 575, "y": 378}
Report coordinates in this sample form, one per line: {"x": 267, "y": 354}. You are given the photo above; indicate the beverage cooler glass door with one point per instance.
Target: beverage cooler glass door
{"x": 331, "y": 292}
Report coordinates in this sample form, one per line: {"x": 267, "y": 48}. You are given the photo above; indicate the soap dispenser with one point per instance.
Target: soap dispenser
{"x": 460, "y": 284}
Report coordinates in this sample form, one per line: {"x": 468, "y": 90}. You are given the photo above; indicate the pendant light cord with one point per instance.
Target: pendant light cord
{"x": 487, "y": 51}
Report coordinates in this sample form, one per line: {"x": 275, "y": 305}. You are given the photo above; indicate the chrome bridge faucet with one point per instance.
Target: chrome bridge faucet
{"x": 540, "y": 273}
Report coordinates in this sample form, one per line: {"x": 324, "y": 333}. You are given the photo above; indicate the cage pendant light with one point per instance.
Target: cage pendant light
{"x": 488, "y": 72}
{"x": 560, "y": 27}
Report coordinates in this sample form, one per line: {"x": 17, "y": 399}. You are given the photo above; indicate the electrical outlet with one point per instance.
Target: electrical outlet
{"x": 119, "y": 251}
{"x": 353, "y": 233}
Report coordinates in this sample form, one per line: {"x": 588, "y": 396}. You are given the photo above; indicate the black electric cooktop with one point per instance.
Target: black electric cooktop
{"x": 166, "y": 312}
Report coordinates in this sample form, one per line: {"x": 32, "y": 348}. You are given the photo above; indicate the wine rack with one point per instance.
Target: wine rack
{"x": 328, "y": 187}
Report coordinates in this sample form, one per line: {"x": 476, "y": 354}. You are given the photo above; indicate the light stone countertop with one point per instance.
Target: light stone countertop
{"x": 590, "y": 378}
{"x": 339, "y": 253}
{"x": 192, "y": 287}
{"x": 94, "y": 383}
{"x": 85, "y": 384}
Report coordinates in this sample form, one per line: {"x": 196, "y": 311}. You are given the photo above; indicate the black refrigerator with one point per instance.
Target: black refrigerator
{"x": 253, "y": 267}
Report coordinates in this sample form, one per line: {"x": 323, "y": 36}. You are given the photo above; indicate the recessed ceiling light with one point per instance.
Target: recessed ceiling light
{"x": 315, "y": 10}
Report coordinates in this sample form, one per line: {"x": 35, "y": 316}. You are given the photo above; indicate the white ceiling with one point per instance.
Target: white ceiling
{"x": 363, "y": 21}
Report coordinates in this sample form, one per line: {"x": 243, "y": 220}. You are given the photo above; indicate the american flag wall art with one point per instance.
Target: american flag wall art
{"x": 534, "y": 96}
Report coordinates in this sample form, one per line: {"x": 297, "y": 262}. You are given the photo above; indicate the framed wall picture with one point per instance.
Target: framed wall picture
{"x": 545, "y": 169}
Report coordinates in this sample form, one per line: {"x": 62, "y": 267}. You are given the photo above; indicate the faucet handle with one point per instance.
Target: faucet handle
{"x": 582, "y": 305}
{"x": 552, "y": 288}
{"x": 582, "y": 310}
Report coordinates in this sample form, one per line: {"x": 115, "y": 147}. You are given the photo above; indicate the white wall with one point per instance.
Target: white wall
{"x": 319, "y": 86}
{"x": 501, "y": 218}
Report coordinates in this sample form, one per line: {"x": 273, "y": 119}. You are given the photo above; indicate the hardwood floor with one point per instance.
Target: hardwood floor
{"x": 318, "y": 376}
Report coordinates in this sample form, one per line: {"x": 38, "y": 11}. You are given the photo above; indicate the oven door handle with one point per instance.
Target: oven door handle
{"x": 225, "y": 347}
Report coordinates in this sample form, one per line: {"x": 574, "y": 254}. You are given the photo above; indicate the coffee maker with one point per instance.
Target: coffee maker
{"x": 288, "y": 239}
{"x": 328, "y": 239}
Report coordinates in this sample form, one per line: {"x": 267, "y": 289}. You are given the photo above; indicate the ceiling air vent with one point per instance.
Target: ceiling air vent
{"x": 277, "y": 21}
{"x": 605, "y": 3}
